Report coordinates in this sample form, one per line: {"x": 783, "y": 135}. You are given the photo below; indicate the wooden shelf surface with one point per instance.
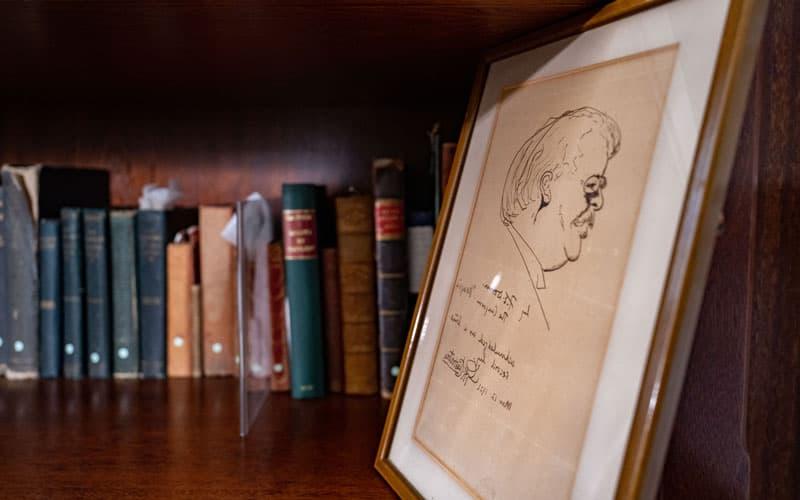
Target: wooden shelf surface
{"x": 312, "y": 50}
{"x": 179, "y": 439}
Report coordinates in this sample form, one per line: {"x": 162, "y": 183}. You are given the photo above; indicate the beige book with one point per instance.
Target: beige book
{"x": 218, "y": 279}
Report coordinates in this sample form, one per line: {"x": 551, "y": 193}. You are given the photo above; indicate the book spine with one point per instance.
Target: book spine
{"x": 390, "y": 257}
{"x": 277, "y": 294}
{"x": 356, "y": 239}
{"x": 124, "y": 293}
{"x": 22, "y": 278}
{"x": 218, "y": 277}
{"x": 98, "y": 307}
{"x": 420, "y": 240}
{"x": 73, "y": 292}
{"x": 303, "y": 291}
{"x": 151, "y": 237}
{"x": 49, "y": 299}
{"x": 4, "y": 327}
{"x": 333, "y": 319}
{"x": 180, "y": 278}
{"x": 197, "y": 331}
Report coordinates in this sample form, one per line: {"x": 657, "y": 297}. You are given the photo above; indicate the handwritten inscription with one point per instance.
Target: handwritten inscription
{"x": 484, "y": 341}
{"x": 498, "y": 303}
{"x": 478, "y": 357}
{"x": 467, "y": 370}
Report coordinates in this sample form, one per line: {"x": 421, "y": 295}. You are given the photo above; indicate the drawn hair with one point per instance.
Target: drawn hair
{"x": 550, "y": 149}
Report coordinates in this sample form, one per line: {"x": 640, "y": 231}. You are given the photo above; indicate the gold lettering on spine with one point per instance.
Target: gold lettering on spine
{"x": 301, "y": 237}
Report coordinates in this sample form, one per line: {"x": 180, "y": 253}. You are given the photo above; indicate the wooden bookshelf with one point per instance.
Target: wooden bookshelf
{"x": 179, "y": 439}
{"x": 310, "y": 51}
{"x": 222, "y": 155}
{"x": 232, "y": 97}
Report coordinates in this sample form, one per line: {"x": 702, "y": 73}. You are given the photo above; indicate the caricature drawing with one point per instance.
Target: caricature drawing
{"x": 553, "y": 188}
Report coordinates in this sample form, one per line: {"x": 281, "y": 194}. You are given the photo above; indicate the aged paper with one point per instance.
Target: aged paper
{"x": 510, "y": 390}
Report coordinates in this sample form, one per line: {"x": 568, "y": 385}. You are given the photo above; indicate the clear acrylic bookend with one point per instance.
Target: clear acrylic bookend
{"x": 254, "y": 231}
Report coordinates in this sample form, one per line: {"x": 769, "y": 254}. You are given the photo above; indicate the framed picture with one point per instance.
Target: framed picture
{"x": 547, "y": 350}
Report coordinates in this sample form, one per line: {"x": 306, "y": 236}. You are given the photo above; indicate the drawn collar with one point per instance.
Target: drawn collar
{"x": 532, "y": 264}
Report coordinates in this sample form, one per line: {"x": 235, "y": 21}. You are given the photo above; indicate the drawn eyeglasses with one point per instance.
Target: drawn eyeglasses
{"x": 593, "y": 190}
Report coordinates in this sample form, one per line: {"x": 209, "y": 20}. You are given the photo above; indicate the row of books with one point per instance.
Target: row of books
{"x": 348, "y": 302}
{"x": 85, "y": 289}
{"x": 89, "y": 291}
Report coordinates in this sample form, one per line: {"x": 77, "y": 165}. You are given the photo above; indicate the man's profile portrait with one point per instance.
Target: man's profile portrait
{"x": 554, "y": 187}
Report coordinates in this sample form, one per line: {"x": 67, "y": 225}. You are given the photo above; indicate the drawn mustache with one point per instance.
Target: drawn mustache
{"x": 585, "y": 218}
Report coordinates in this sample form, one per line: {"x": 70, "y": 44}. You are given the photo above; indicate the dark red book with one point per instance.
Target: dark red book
{"x": 277, "y": 297}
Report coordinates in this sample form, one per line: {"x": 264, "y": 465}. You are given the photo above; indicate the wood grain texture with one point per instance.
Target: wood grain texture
{"x": 737, "y": 434}
{"x": 219, "y": 154}
{"x": 773, "y": 390}
{"x": 245, "y": 50}
{"x": 179, "y": 438}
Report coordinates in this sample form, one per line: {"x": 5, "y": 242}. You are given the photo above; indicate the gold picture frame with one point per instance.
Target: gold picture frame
{"x": 692, "y": 246}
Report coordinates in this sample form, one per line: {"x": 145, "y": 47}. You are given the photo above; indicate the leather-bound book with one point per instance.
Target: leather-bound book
{"x": 331, "y": 303}
{"x": 73, "y": 293}
{"x": 333, "y": 326}
{"x": 218, "y": 278}
{"x": 49, "y": 298}
{"x": 279, "y": 381}
{"x": 124, "y": 294}
{"x": 4, "y": 345}
{"x": 303, "y": 290}
{"x": 356, "y": 239}
{"x": 182, "y": 274}
{"x": 98, "y": 292}
{"x": 154, "y": 229}
{"x": 392, "y": 266}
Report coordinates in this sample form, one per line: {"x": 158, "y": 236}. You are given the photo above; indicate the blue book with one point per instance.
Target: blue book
{"x": 49, "y": 299}
{"x": 124, "y": 299}
{"x": 98, "y": 307}
{"x": 73, "y": 293}
{"x": 3, "y": 291}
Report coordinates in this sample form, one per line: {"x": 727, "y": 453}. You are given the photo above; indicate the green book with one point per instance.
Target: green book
{"x": 73, "y": 293}
{"x": 124, "y": 298}
{"x": 98, "y": 293}
{"x": 151, "y": 241}
{"x": 303, "y": 290}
